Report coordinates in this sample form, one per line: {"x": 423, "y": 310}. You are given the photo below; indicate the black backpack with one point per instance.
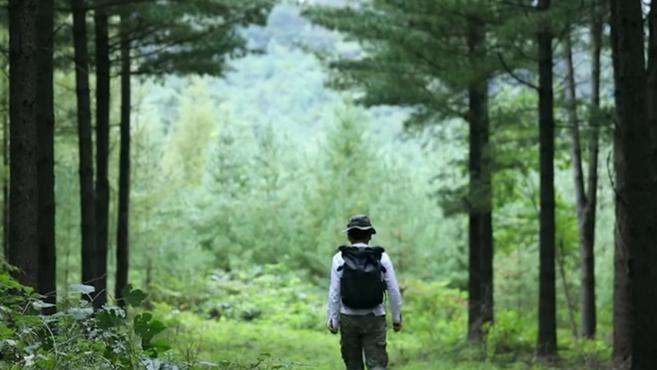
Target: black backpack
{"x": 361, "y": 285}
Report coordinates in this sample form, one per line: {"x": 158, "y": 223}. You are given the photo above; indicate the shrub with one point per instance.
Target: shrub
{"x": 76, "y": 337}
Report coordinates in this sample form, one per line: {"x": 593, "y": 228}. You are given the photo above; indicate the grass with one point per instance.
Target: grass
{"x": 203, "y": 343}
{"x": 272, "y": 319}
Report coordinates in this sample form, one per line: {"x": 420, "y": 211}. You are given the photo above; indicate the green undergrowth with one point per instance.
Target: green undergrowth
{"x": 260, "y": 318}
{"x": 76, "y": 336}
{"x": 269, "y": 317}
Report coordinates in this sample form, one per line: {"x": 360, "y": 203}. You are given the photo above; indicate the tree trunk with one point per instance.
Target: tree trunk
{"x": 652, "y": 71}
{"x": 5, "y": 162}
{"x": 87, "y": 207}
{"x": 486, "y": 226}
{"x": 644, "y": 252}
{"x": 584, "y": 202}
{"x": 475, "y": 115}
{"x": 122, "y": 233}
{"x": 24, "y": 192}
{"x": 46, "y": 161}
{"x": 587, "y": 230}
{"x": 547, "y": 328}
{"x": 570, "y": 93}
{"x": 635, "y": 262}
{"x": 102, "y": 151}
{"x": 475, "y": 320}
{"x": 622, "y": 297}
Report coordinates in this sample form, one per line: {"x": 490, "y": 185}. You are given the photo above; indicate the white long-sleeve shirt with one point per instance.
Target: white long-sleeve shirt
{"x": 335, "y": 306}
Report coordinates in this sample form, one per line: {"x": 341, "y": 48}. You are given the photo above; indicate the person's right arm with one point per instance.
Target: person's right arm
{"x": 334, "y": 297}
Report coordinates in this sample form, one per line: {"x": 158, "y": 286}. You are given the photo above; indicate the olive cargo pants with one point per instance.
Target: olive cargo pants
{"x": 366, "y": 334}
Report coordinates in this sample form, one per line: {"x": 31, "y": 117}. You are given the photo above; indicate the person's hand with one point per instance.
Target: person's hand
{"x": 331, "y": 328}
{"x": 397, "y": 326}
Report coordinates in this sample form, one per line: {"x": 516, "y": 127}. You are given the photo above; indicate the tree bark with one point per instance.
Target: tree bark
{"x": 635, "y": 262}
{"x": 547, "y": 328}
{"x": 622, "y": 295}
{"x": 486, "y": 231}
{"x": 122, "y": 233}
{"x": 46, "y": 160}
{"x": 585, "y": 202}
{"x": 475, "y": 319}
{"x": 589, "y": 317}
{"x": 24, "y": 192}
{"x": 644, "y": 252}
{"x": 573, "y": 122}
{"x": 5, "y": 162}
{"x": 477, "y": 120}
{"x": 87, "y": 206}
{"x": 652, "y": 71}
{"x": 102, "y": 151}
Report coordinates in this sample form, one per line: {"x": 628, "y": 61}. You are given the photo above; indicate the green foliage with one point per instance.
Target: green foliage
{"x": 256, "y": 317}
{"x": 258, "y": 199}
{"x": 511, "y": 334}
{"x": 241, "y": 188}
{"x": 243, "y": 295}
{"x": 133, "y": 297}
{"x": 197, "y": 36}
{"x": 191, "y": 134}
{"x": 147, "y": 328}
{"x": 75, "y": 337}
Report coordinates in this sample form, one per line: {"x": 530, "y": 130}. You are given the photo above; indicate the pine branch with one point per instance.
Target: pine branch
{"x": 511, "y": 73}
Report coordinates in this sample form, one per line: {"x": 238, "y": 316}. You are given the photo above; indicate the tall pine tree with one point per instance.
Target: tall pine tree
{"x": 102, "y": 149}
{"x": 413, "y": 55}
{"x": 547, "y": 316}
{"x": 635, "y": 144}
{"x": 46, "y": 156}
{"x": 85, "y": 149}
{"x": 23, "y": 251}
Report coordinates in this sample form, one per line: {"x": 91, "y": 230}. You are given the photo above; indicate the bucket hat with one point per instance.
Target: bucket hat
{"x": 361, "y": 222}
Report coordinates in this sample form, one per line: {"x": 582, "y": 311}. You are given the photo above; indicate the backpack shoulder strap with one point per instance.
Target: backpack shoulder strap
{"x": 343, "y": 249}
{"x": 378, "y": 249}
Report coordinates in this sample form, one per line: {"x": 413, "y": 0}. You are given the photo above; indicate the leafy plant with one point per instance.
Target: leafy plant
{"x": 147, "y": 328}
{"x": 76, "y": 336}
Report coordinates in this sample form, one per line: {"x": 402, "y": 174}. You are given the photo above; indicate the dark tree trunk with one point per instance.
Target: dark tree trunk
{"x": 46, "y": 160}
{"x": 475, "y": 116}
{"x": 23, "y": 189}
{"x": 586, "y": 202}
{"x": 644, "y": 252}
{"x": 573, "y": 123}
{"x": 635, "y": 262}
{"x": 87, "y": 206}
{"x": 547, "y": 328}
{"x": 475, "y": 320}
{"x": 122, "y": 232}
{"x": 486, "y": 226}
{"x": 5, "y": 196}
{"x": 587, "y": 230}
{"x": 102, "y": 151}
{"x": 5, "y": 162}
{"x": 622, "y": 337}
{"x": 652, "y": 71}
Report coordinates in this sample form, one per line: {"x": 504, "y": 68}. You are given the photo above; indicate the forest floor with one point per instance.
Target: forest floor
{"x": 226, "y": 344}
{"x": 271, "y": 319}
{"x": 238, "y": 345}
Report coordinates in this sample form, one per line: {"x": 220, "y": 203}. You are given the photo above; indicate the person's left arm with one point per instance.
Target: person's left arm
{"x": 393, "y": 290}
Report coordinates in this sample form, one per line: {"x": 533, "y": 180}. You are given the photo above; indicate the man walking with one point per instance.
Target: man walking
{"x": 360, "y": 275}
